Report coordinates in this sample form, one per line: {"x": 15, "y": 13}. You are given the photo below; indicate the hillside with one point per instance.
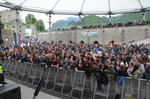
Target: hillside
{"x": 96, "y": 20}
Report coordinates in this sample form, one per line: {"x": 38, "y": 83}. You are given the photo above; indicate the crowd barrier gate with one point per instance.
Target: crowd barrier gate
{"x": 75, "y": 84}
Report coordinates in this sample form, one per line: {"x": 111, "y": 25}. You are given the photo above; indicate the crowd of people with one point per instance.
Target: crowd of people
{"x": 107, "y": 25}
{"x": 120, "y": 60}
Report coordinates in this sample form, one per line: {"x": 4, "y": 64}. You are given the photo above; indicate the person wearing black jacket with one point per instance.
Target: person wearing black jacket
{"x": 101, "y": 76}
{"x": 122, "y": 71}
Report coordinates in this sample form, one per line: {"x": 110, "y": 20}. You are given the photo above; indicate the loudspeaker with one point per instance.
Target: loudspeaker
{"x": 1, "y": 78}
{"x": 1, "y": 41}
{"x": 10, "y": 91}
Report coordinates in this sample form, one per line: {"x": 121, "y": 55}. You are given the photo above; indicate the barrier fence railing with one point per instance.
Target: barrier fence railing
{"x": 75, "y": 84}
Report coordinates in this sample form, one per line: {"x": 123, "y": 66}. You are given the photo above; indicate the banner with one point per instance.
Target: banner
{"x": 28, "y": 32}
{"x": 89, "y": 34}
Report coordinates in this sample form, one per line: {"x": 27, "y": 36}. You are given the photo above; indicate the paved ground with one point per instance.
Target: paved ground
{"x": 27, "y": 93}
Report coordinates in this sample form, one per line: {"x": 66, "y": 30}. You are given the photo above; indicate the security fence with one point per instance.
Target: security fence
{"x": 74, "y": 84}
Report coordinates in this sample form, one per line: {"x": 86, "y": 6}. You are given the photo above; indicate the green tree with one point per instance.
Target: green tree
{"x": 147, "y": 17}
{"x": 71, "y": 23}
{"x": 90, "y": 20}
{"x": 60, "y": 24}
{"x": 40, "y": 25}
{"x": 30, "y": 19}
{"x": 130, "y": 17}
{"x": 104, "y": 20}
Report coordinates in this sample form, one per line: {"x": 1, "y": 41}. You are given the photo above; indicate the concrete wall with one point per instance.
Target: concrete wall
{"x": 104, "y": 35}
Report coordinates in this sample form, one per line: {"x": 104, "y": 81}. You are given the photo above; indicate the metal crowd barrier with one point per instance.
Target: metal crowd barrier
{"x": 75, "y": 84}
{"x": 67, "y": 82}
{"x": 59, "y": 80}
{"x": 78, "y": 84}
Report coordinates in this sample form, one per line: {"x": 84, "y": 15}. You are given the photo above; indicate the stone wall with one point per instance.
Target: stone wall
{"x": 104, "y": 35}
{"x": 7, "y": 36}
{"x": 22, "y": 29}
{"x": 8, "y": 16}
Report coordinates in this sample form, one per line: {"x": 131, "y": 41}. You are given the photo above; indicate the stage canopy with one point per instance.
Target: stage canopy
{"x": 79, "y": 7}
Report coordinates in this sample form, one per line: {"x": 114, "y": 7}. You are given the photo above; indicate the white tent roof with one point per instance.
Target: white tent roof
{"x": 79, "y": 7}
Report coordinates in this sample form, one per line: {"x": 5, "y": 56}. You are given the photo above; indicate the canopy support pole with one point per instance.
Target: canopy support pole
{"x": 82, "y": 6}
{"x": 143, "y": 16}
{"x": 109, "y": 13}
{"x": 50, "y": 27}
{"x": 140, "y": 4}
{"x": 17, "y": 27}
{"x": 142, "y": 10}
{"x": 109, "y": 18}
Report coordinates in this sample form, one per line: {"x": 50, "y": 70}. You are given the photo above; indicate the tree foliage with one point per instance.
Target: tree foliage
{"x": 60, "y": 24}
{"x": 131, "y": 17}
{"x": 90, "y": 20}
{"x": 71, "y": 23}
{"x": 40, "y": 25}
{"x": 30, "y": 19}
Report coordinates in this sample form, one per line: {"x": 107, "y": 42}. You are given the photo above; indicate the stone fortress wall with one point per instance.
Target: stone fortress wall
{"x": 8, "y": 16}
{"x": 104, "y": 35}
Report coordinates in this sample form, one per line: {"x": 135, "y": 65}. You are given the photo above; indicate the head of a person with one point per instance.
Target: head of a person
{"x": 84, "y": 59}
{"x": 101, "y": 66}
{"x": 123, "y": 56}
{"x": 130, "y": 65}
{"x": 80, "y": 61}
{"x": 108, "y": 62}
{"x": 118, "y": 62}
{"x": 52, "y": 59}
{"x": 122, "y": 68}
{"x": 133, "y": 56}
{"x": 135, "y": 67}
{"x": 111, "y": 68}
{"x": 148, "y": 64}
{"x": 140, "y": 61}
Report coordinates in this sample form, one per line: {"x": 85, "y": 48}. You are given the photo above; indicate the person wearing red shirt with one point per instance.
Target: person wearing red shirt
{"x": 55, "y": 63}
